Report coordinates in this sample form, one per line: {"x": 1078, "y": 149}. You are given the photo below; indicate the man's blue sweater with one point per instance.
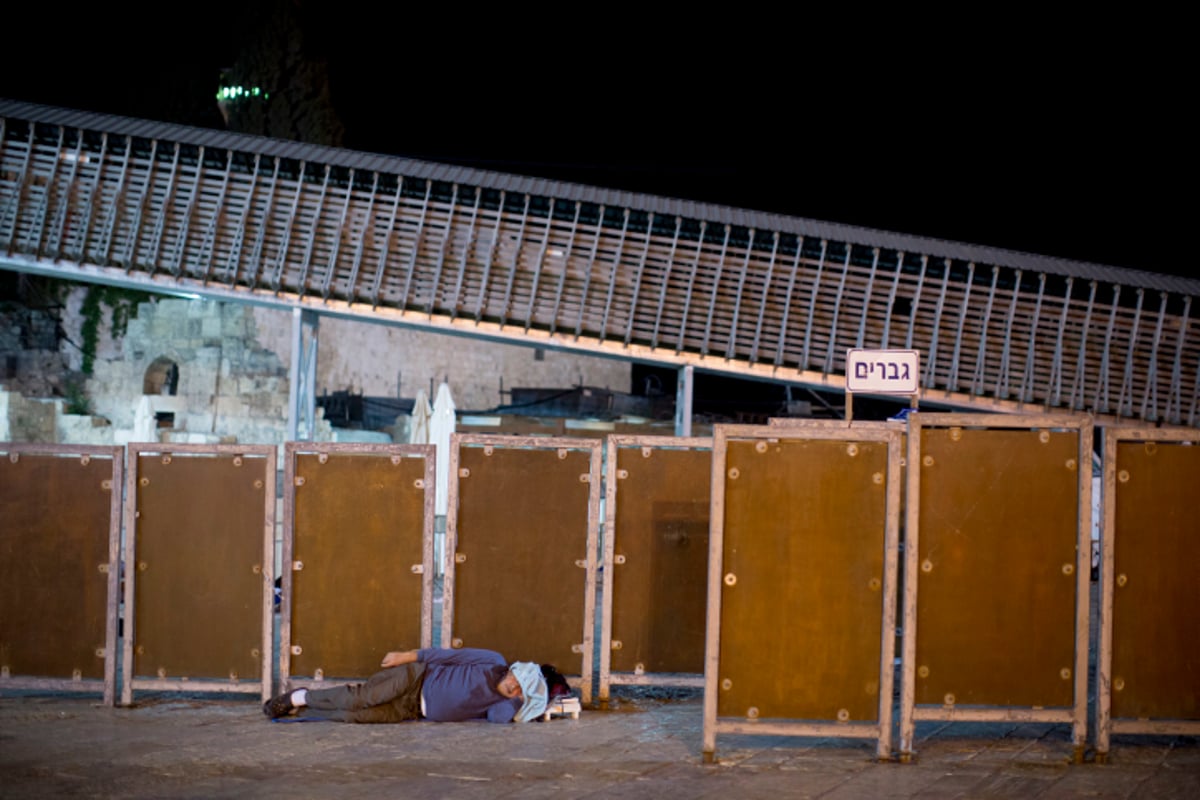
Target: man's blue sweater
{"x": 461, "y": 685}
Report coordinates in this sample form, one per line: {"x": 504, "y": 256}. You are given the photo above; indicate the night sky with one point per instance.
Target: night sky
{"x": 1010, "y": 135}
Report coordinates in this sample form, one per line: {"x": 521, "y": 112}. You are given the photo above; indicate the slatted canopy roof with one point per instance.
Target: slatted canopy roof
{"x": 552, "y": 264}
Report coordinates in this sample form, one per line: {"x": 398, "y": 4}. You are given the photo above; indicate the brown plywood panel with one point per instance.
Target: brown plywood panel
{"x": 55, "y": 524}
{"x": 661, "y": 529}
{"x": 997, "y": 552}
{"x": 359, "y": 530}
{"x": 801, "y": 596}
{"x": 199, "y": 550}
{"x": 1156, "y": 591}
{"x": 522, "y": 526}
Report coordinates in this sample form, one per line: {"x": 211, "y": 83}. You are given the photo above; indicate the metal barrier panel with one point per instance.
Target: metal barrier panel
{"x": 997, "y": 570}
{"x": 802, "y": 572}
{"x": 357, "y": 557}
{"x": 199, "y": 550}
{"x": 657, "y": 499}
{"x": 521, "y": 534}
{"x": 60, "y": 528}
{"x": 1149, "y": 661}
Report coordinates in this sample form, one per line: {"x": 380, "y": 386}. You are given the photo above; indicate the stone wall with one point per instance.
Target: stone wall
{"x": 228, "y": 387}
{"x": 232, "y": 363}
{"x": 380, "y": 360}
{"x": 31, "y": 363}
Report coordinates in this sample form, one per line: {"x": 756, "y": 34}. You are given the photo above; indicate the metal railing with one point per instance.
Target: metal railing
{"x": 170, "y": 208}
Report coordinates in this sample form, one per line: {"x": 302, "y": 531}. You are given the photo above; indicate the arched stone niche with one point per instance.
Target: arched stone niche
{"x": 161, "y": 377}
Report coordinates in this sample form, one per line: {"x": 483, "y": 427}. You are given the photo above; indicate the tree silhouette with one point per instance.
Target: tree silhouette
{"x": 281, "y": 77}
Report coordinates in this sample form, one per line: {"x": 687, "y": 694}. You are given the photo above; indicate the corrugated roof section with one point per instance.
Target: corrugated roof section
{"x": 851, "y": 234}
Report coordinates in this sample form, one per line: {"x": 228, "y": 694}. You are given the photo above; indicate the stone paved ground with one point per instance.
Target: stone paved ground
{"x": 173, "y": 746}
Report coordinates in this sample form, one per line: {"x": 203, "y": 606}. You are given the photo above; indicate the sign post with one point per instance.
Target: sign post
{"x": 881, "y": 372}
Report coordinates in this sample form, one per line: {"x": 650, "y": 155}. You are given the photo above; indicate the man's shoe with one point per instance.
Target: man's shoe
{"x": 279, "y": 706}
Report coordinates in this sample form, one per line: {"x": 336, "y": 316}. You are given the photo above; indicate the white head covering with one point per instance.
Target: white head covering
{"x": 533, "y": 687}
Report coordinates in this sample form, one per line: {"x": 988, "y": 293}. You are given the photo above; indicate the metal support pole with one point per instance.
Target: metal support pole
{"x": 683, "y": 401}
{"x": 301, "y": 392}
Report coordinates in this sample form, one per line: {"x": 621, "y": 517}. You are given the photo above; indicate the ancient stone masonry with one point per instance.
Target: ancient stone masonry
{"x": 30, "y": 361}
{"x": 203, "y": 373}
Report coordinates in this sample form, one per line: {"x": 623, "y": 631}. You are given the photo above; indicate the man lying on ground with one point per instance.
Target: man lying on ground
{"x": 434, "y": 683}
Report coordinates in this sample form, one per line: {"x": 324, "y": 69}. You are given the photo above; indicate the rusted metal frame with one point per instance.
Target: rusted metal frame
{"x": 1005, "y": 371}
{"x": 731, "y": 344}
{"x": 516, "y": 262}
{"x": 336, "y": 246}
{"x": 1127, "y": 389}
{"x": 233, "y": 262}
{"x": 491, "y": 256}
{"x": 1107, "y": 550}
{"x": 160, "y": 221}
{"x": 1106, "y": 724}
{"x": 269, "y": 455}
{"x": 593, "y": 542}
{"x": 1077, "y": 714}
{"x": 787, "y": 299}
{"x": 112, "y": 631}
{"x": 613, "y": 444}
{"x": 868, "y": 293}
{"x": 595, "y": 449}
{"x": 716, "y": 557}
{"x": 566, "y": 265}
{"x": 691, "y": 283}
{"x": 426, "y": 452}
{"x": 1079, "y": 381}
{"x": 287, "y": 549}
{"x": 112, "y": 568}
{"x": 828, "y": 430}
{"x": 14, "y": 204}
{"x": 891, "y": 301}
{"x": 666, "y": 279}
{"x": 446, "y": 244}
{"x": 916, "y": 303}
{"x": 591, "y": 267}
{"x": 54, "y": 235}
{"x": 977, "y": 380}
{"x": 539, "y": 265}
{"x": 1054, "y": 389}
{"x": 712, "y": 297}
{"x": 37, "y": 225}
{"x": 931, "y": 359}
{"x": 766, "y": 296}
{"x": 311, "y": 238}
{"x": 208, "y": 245}
{"x": 1029, "y": 381}
{"x": 837, "y": 306}
{"x": 812, "y": 305}
{"x": 472, "y": 235}
{"x": 104, "y": 246}
{"x": 1150, "y": 387}
{"x": 381, "y": 267}
{"x": 637, "y": 278}
{"x": 1100, "y": 403}
{"x": 360, "y": 245}
{"x": 145, "y": 198}
{"x": 1177, "y": 367}
{"x": 93, "y": 197}
{"x": 952, "y": 378}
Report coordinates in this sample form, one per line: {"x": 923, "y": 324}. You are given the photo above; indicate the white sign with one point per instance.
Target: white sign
{"x": 882, "y": 371}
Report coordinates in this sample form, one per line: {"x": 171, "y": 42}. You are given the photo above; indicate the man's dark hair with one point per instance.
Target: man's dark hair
{"x": 556, "y": 683}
